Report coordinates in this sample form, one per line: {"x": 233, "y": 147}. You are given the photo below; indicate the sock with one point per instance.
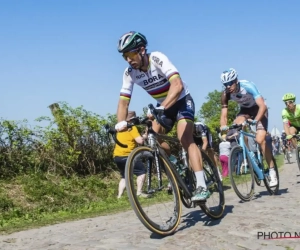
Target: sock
{"x": 139, "y": 182}
{"x": 272, "y": 172}
{"x": 200, "y": 179}
{"x": 122, "y": 186}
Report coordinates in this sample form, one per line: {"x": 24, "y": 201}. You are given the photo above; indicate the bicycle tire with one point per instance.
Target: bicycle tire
{"x": 275, "y": 191}
{"x": 218, "y": 212}
{"x": 287, "y": 155}
{"x": 258, "y": 182}
{"x": 191, "y": 179}
{"x": 298, "y": 157}
{"x": 146, "y": 221}
{"x": 249, "y": 196}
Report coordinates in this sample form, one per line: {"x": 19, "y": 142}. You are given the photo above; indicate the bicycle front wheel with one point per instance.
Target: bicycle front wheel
{"x": 298, "y": 156}
{"x": 159, "y": 211}
{"x": 241, "y": 174}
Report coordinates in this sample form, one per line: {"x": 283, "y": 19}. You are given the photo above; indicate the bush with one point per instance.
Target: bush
{"x": 73, "y": 142}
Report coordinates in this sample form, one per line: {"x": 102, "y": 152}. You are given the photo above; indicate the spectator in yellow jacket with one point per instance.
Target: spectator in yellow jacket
{"x": 132, "y": 138}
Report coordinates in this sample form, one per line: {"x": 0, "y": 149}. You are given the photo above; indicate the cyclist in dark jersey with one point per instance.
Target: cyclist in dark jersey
{"x": 203, "y": 138}
{"x": 252, "y": 107}
{"x": 285, "y": 144}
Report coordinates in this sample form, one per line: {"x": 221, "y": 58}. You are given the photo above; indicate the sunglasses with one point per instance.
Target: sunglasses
{"x": 289, "y": 102}
{"x": 130, "y": 54}
{"x": 229, "y": 84}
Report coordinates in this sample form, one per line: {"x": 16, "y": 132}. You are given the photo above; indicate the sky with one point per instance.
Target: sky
{"x": 55, "y": 50}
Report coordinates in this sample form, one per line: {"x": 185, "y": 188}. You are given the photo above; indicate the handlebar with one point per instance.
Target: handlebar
{"x": 132, "y": 122}
{"x": 297, "y": 136}
{"x": 113, "y": 133}
{"x": 239, "y": 126}
{"x": 158, "y": 115}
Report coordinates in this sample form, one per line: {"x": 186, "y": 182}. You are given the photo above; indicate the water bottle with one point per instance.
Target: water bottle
{"x": 178, "y": 166}
{"x": 173, "y": 159}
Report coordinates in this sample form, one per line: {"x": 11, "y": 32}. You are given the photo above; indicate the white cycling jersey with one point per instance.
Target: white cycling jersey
{"x": 156, "y": 81}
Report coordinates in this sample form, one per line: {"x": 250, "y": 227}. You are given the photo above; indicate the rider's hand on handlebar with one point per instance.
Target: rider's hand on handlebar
{"x": 160, "y": 109}
{"x": 121, "y": 126}
{"x": 149, "y": 115}
{"x": 251, "y": 122}
{"x": 224, "y": 128}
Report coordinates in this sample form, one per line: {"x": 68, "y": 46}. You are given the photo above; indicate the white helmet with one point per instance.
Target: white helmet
{"x": 283, "y": 131}
{"x": 228, "y": 75}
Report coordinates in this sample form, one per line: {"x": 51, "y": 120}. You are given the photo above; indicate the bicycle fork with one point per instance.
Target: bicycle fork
{"x": 149, "y": 171}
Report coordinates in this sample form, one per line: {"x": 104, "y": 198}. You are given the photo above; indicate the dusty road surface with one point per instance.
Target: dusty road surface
{"x": 238, "y": 229}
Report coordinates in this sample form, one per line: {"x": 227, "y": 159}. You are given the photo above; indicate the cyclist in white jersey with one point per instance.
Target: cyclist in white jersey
{"x": 159, "y": 77}
{"x": 252, "y": 107}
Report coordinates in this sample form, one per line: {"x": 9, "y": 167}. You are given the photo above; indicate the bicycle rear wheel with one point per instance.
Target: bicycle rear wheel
{"x": 214, "y": 206}
{"x": 157, "y": 201}
{"x": 241, "y": 174}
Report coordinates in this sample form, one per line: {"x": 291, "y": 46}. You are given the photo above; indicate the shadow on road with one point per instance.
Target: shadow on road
{"x": 264, "y": 193}
{"x": 226, "y": 187}
{"x": 190, "y": 220}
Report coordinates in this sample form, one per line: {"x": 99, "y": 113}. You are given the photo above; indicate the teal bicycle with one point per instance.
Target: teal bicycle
{"x": 247, "y": 167}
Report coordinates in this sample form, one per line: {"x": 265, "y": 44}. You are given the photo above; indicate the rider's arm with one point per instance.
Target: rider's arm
{"x": 176, "y": 87}
{"x": 204, "y": 132}
{"x": 163, "y": 64}
{"x": 286, "y": 128}
{"x": 285, "y": 121}
{"x": 224, "y": 110}
{"x": 205, "y": 142}
{"x": 262, "y": 108}
{"x": 259, "y": 100}
{"x": 125, "y": 95}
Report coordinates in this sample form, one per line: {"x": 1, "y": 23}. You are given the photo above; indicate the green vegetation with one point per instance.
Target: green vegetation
{"x": 64, "y": 169}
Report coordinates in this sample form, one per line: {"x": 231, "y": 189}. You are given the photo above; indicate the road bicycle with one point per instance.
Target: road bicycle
{"x": 247, "y": 167}
{"x": 162, "y": 173}
{"x": 297, "y": 136}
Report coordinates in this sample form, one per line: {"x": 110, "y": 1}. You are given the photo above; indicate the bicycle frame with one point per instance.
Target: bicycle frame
{"x": 246, "y": 152}
{"x": 155, "y": 145}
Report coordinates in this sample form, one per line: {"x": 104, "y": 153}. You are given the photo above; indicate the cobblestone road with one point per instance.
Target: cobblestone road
{"x": 238, "y": 229}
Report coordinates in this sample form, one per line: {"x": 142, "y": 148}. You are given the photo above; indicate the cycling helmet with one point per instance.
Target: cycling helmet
{"x": 288, "y": 96}
{"x": 130, "y": 41}
{"x": 229, "y": 75}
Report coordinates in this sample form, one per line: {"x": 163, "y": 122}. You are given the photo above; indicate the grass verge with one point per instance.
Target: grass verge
{"x": 36, "y": 200}
{"x": 32, "y": 201}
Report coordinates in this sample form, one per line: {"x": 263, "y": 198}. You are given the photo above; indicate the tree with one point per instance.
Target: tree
{"x": 210, "y": 112}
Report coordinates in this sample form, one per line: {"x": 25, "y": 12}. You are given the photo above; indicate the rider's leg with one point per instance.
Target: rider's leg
{"x": 211, "y": 154}
{"x": 240, "y": 119}
{"x": 261, "y": 140}
{"x": 159, "y": 129}
{"x": 185, "y": 136}
{"x": 289, "y": 150}
{"x": 293, "y": 131}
